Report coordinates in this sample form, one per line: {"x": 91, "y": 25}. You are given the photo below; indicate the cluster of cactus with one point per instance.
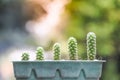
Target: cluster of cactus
{"x": 91, "y": 46}
{"x": 39, "y": 53}
{"x": 72, "y": 48}
{"x": 56, "y": 51}
{"x": 25, "y": 56}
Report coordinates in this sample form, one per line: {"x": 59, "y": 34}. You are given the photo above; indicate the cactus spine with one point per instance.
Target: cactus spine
{"x": 39, "y": 53}
{"x": 72, "y": 48}
{"x": 56, "y": 51}
{"x": 25, "y": 56}
{"x": 91, "y": 46}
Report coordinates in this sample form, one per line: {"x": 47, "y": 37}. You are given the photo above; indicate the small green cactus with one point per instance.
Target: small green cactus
{"x": 91, "y": 46}
{"x": 56, "y": 49}
{"x": 39, "y": 53}
{"x": 25, "y": 56}
{"x": 72, "y": 48}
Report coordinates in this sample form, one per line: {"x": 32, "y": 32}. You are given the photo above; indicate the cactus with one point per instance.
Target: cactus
{"x": 39, "y": 53}
{"x": 56, "y": 49}
{"x": 72, "y": 48}
{"x": 25, "y": 56}
{"x": 91, "y": 46}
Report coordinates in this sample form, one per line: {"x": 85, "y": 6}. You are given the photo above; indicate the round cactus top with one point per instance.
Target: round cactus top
{"x": 56, "y": 45}
{"x": 40, "y": 49}
{"x": 72, "y": 39}
{"x": 91, "y": 34}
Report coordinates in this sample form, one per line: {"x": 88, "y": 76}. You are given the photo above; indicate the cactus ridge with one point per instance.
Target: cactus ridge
{"x": 25, "y": 56}
{"x": 39, "y": 53}
{"x": 91, "y": 46}
{"x": 56, "y": 51}
{"x": 72, "y": 48}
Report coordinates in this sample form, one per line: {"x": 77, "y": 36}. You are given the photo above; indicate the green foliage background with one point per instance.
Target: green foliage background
{"x": 103, "y": 18}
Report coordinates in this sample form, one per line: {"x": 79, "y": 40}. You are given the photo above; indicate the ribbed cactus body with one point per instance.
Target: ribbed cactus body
{"x": 25, "y": 56}
{"x": 56, "y": 51}
{"x": 91, "y": 46}
{"x": 72, "y": 48}
{"x": 39, "y": 53}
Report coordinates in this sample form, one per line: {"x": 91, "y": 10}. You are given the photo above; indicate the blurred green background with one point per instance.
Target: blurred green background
{"x": 61, "y": 19}
{"x": 103, "y": 18}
